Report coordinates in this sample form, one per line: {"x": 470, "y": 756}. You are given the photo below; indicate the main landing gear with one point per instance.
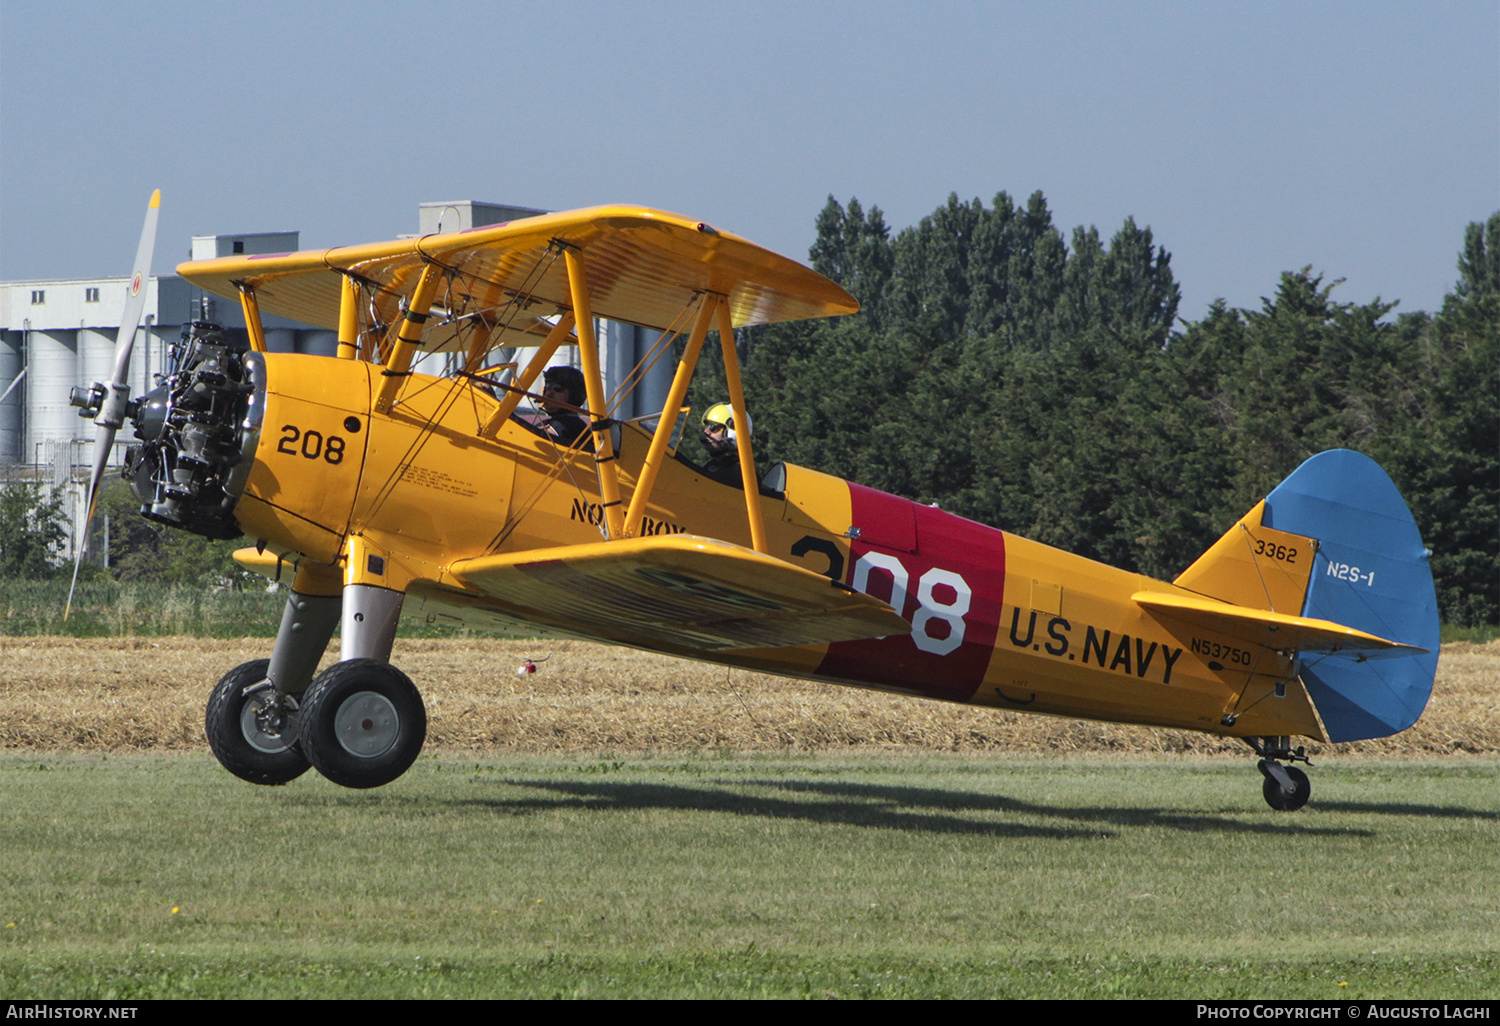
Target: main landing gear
{"x": 1286, "y": 788}
{"x": 363, "y": 723}
{"x": 360, "y": 723}
{"x": 253, "y": 730}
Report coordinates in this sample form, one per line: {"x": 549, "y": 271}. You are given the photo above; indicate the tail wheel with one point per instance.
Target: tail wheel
{"x": 363, "y": 723}
{"x": 1277, "y": 797}
{"x": 251, "y": 735}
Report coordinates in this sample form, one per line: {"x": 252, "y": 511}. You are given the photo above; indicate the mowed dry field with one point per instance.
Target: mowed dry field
{"x": 148, "y": 694}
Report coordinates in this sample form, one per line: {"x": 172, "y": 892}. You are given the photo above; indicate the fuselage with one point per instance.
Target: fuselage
{"x": 996, "y": 619}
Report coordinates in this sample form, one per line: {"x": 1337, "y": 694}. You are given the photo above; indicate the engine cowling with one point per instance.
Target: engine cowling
{"x": 198, "y": 431}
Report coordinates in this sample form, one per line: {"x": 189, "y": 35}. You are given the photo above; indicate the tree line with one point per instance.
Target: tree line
{"x": 1046, "y": 385}
{"x": 33, "y": 531}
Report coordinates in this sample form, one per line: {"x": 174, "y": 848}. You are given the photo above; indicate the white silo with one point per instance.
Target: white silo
{"x": 12, "y": 361}
{"x": 51, "y": 374}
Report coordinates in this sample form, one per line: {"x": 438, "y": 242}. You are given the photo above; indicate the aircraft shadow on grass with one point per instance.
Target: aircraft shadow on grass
{"x": 887, "y": 807}
{"x": 1134, "y": 817}
{"x": 1404, "y": 809}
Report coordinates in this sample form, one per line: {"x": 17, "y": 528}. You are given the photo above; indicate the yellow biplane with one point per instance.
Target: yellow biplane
{"x": 374, "y": 488}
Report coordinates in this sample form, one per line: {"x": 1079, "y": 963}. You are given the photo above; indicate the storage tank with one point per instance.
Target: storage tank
{"x": 12, "y": 360}
{"x": 50, "y": 378}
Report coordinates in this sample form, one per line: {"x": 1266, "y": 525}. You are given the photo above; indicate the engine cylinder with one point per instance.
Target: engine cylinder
{"x": 198, "y": 431}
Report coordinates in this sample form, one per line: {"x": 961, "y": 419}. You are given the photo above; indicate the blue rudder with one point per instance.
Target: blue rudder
{"x": 1371, "y": 572}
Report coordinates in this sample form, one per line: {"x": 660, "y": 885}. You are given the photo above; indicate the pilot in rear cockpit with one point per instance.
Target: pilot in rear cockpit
{"x": 720, "y": 441}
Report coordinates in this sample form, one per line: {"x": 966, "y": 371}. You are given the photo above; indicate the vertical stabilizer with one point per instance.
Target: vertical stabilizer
{"x": 1254, "y": 565}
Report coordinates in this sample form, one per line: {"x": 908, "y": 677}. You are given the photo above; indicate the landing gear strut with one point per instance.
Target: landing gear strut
{"x": 360, "y": 723}
{"x": 362, "y": 720}
{"x": 1286, "y": 788}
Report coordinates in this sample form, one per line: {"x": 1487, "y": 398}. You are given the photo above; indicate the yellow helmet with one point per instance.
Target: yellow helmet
{"x": 723, "y": 415}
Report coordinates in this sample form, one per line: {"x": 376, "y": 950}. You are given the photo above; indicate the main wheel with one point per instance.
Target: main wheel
{"x": 363, "y": 723}
{"x": 1278, "y": 799}
{"x": 250, "y": 736}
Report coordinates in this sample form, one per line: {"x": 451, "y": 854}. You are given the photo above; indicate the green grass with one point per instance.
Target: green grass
{"x": 738, "y": 876}
{"x": 103, "y": 608}
{"x": 1479, "y": 635}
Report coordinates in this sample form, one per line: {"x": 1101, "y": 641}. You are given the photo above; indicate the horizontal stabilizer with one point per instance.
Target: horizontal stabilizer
{"x": 678, "y": 593}
{"x": 1280, "y": 631}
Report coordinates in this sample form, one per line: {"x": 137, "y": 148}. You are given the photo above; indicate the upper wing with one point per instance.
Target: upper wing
{"x": 678, "y": 593}
{"x": 643, "y": 267}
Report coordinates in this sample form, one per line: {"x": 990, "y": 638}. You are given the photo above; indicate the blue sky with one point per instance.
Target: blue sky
{"x": 1252, "y": 138}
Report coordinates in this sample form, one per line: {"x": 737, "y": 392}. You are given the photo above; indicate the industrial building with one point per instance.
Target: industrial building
{"x": 55, "y": 335}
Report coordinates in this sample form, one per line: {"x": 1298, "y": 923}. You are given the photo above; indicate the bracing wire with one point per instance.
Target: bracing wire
{"x": 517, "y": 303}
{"x": 1270, "y": 604}
{"x": 653, "y": 356}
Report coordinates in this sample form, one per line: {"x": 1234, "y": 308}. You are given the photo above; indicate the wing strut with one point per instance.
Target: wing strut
{"x": 408, "y": 333}
{"x": 747, "y": 457}
{"x": 251, "y": 308}
{"x": 715, "y": 308}
{"x": 349, "y": 297}
{"x": 528, "y": 377}
{"x": 593, "y": 382}
{"x": 668, "y": 421}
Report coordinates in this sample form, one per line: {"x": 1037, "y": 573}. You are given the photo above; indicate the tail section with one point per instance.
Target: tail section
{"x": 1370, "y": 573}
{"x": 1331, "y": 564}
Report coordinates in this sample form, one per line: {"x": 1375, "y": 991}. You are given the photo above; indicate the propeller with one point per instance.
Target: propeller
{"x": 109, "y": 400}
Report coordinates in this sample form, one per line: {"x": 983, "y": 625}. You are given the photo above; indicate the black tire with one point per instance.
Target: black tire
{"x": 238, "y": 743}
{"x": 1279, "y": 800}
{"x": 363, "y": 723}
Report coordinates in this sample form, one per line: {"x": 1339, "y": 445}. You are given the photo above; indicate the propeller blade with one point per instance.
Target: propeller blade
{"x": 6, "y": 394}
{"x": 117, "y": 391}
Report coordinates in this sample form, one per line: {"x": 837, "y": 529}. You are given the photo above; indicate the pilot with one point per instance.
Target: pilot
{"x": 720, "y": 441}
{"x": 562, "y": 388}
